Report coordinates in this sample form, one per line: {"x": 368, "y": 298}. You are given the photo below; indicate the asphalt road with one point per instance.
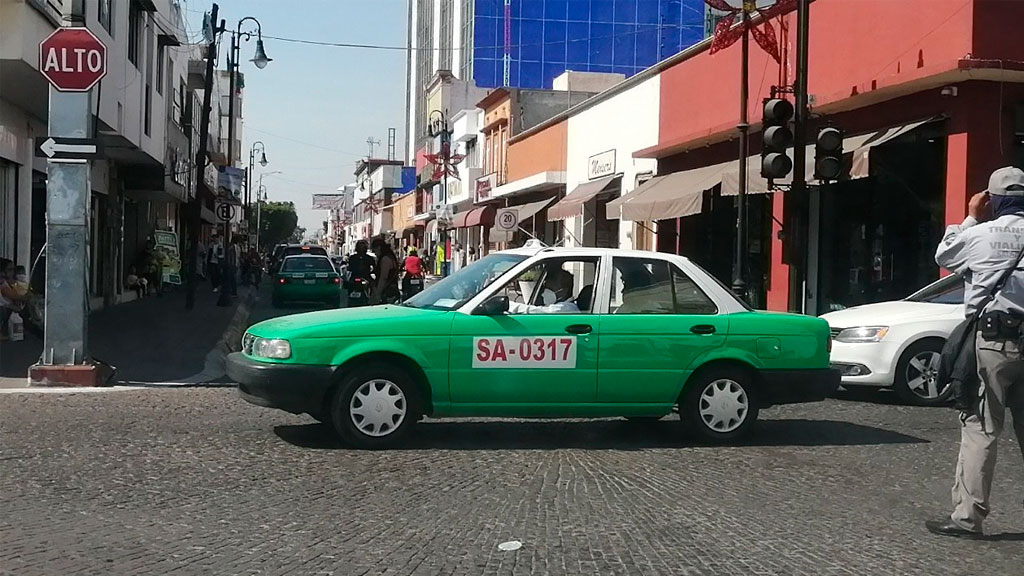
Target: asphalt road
{"x": 196, "y": 481}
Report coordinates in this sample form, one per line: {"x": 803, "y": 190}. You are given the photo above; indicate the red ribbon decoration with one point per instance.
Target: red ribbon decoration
{"x": 726, "y": 34}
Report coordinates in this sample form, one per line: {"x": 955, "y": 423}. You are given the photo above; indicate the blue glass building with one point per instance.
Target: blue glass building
{"x": 548, "y": 37}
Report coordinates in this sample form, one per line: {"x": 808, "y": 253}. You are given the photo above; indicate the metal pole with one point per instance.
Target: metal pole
{"x": 195, "y": 205}
{"x": 739, "y": 284}
{"x": 798, "y": 196}
{"x": 67, "y": 236}
{"x": 228, "y": 273}
{"x": 259, "y": 206}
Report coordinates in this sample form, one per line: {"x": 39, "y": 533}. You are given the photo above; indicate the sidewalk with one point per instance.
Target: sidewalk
{"x": 150, "y": 340}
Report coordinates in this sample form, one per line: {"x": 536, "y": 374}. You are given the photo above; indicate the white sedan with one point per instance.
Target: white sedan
{"x": 897, "y": 344}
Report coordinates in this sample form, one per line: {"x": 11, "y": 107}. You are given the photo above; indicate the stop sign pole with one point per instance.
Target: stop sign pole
{"x": 73, "y": 60}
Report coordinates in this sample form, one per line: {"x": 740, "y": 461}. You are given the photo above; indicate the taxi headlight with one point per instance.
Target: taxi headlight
{"x": 271, "y": 348}
{"x": 862, "y": 334}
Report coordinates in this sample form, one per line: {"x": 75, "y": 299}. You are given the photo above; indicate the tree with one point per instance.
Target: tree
{"x": 278, "y": 222}
{"x": 298, "y": 235}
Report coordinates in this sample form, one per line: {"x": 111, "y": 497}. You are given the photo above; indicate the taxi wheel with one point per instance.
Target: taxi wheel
{"x": 375, "y": 406}
{"x": 720, "y": 404}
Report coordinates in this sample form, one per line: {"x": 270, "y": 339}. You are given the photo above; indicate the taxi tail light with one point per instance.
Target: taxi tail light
{"x": 282, "y": 281}
{"x": 337, "y": 280}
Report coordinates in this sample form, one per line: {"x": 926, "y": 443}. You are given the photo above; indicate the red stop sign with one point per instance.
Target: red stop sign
{"x": 72, "y": 59}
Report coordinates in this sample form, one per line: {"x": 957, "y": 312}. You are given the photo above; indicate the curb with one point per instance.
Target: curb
{"x": 216, "y": 360}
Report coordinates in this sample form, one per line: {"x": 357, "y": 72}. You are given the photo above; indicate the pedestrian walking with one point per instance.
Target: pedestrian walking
{"x": 214, "y": 262}
{"x": 201, "y": 259}
{"x": 987, "y": 250}
{"x": 385, "y": 290}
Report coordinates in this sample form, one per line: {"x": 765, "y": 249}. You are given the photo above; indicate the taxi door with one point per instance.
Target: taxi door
{"x": 534, "y": 361}
{"x": 658, "y": 322}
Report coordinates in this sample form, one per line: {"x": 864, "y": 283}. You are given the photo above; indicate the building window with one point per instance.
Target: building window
{"x": 148, "y": 120}
{"x": 424, "y": 60}
{"x": 502, "y": 146}
{"x": 105, "y": 16}
{"x": 134, "y": 32}
{"x": 466, "y": 66}
{"x": 8, "y": 209}
{"x": 160, "y": 69}
{"x": 445, "y": 55}
{"x": 472, "y": 154}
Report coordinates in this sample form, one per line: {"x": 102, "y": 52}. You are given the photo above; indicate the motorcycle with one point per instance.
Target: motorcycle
{"x": 411, "y": 285}
{"x": 358, "y": 292}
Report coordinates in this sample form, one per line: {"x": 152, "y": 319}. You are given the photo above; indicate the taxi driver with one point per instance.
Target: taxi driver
{"x": 560, "y": 282}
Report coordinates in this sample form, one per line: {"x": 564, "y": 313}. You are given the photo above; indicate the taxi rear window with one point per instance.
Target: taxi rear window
{"x": 307, "y": 265}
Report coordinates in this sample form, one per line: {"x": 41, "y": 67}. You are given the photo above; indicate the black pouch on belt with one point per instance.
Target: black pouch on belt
{"x": 1000, "y": 325}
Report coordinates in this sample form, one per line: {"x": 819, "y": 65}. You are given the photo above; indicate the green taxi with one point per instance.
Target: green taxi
{"x": 306, "y": 278}
{"x": 541, "y": 332}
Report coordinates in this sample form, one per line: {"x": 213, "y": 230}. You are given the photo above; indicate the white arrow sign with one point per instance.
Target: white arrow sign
{"x": 51, "y": 148}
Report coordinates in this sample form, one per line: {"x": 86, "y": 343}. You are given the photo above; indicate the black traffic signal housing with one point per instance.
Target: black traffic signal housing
{"x": 776, "y": 138}
{"x": 828, "y": 154}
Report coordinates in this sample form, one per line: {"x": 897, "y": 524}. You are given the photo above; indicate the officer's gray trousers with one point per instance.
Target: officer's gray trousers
{"x": 1001, "y": 369}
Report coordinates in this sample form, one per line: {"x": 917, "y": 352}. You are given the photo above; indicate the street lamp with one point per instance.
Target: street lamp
{"x": 260, "y": 60}
{"x": 261, "y": 197}
{"x": 248, "y": 175}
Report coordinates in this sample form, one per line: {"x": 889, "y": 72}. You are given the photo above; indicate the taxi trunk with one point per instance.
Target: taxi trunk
{"x": 307, "y": 287}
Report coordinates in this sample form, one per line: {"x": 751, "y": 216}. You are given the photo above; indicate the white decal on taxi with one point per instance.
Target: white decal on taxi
{"x": 535, "y": 352}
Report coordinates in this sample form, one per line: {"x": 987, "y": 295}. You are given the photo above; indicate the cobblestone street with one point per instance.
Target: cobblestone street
{"x": 196, "y": 481}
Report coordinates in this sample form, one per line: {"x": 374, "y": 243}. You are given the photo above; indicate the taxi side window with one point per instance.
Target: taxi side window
{"x": 554, "y": 286}
{"x": 652, "y": 286}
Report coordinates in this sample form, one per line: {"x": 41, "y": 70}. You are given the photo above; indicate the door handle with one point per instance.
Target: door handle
{"x": 579, "y": 329}
{"x": 702, "y": 329}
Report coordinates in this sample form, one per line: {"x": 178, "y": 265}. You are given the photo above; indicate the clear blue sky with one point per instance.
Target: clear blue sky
{"x": 314, "y": 106}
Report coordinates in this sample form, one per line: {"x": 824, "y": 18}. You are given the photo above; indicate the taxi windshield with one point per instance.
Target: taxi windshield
{"x": 455, "y": 290}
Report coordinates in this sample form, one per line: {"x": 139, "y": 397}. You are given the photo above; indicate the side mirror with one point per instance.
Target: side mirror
{"x": 494, "y": 306}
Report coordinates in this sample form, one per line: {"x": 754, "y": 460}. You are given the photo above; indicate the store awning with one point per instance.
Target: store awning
{"x": 459, "y": 221}
{"x": 670, "y": 196}
{"x": 572, "y": 204}
{"x": 857, "y": 152}
{"x": 431, "y": 227}
{"x": 526, "y": 211}
{"x": 482, "y": 216}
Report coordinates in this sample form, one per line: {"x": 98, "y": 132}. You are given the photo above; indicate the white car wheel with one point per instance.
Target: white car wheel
{"x": 723, "y": 405}
{"x": 378, "y": 408}
{"x": 917, "y": 374}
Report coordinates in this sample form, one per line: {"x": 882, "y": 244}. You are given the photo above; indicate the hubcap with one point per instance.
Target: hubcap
{"x": 723, "y": 405}
{"x": 923, "y": 375}
{"x": 378, "y": 408}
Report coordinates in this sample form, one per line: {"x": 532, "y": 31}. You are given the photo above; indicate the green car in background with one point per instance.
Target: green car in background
{"x": 307, "y": 279}
{"x": 541, "y": 332}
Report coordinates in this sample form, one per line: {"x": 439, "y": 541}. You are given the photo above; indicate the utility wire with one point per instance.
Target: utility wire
{"x": 641, "y": 29}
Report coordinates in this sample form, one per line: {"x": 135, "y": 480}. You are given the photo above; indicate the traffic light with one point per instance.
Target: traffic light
{"x": 828, "y": 154}
{"x": 776, "y": 138}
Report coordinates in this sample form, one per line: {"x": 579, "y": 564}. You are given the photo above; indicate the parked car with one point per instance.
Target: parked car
{"x": 594, "y": 333}
{"x": 897, "y": 344}
{"x": 307, "y": 278}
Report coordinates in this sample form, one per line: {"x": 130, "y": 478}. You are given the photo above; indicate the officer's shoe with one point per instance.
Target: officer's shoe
{"x": 949, "y": 528}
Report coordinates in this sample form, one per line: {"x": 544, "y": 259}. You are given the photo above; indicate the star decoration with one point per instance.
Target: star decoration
{"x": 726, "y": 34}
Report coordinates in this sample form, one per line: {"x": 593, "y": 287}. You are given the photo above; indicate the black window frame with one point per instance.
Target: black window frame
{"x": 105, "y": 15}
{"x": 134, "y": 32}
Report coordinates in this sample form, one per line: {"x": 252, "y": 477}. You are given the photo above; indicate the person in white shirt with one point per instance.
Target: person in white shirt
{"x": 560, "y": 282}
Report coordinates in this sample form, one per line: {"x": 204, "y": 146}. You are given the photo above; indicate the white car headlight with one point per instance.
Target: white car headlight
{"x": 271, "y": 348}
{"x": 862, "y": 334}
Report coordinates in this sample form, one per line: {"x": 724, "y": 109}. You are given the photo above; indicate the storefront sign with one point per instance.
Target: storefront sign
{"x": 600, "y": 165}
{"x": 484, "y": 185}
{"x": 165, "y": 252}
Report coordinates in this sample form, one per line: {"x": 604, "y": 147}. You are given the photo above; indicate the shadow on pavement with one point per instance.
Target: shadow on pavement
{"x": 881, "y": 396}
{"x": 1004, "y": 537}
{"x": 601, "y": 435}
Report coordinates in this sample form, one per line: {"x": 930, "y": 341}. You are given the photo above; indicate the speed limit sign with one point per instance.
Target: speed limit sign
{"x": 507, "y": 219}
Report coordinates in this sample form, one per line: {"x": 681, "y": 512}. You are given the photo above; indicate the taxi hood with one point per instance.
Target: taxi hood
{"x": 384, "y": 321}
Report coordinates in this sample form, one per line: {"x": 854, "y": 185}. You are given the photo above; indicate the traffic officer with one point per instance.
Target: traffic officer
{"x": 987, "y": 244}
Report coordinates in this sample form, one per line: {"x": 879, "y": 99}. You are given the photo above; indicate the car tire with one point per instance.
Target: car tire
{"x": 917, "y": 369}
{"x": 736, "y": 408}
{"x": 394, "y": 410}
